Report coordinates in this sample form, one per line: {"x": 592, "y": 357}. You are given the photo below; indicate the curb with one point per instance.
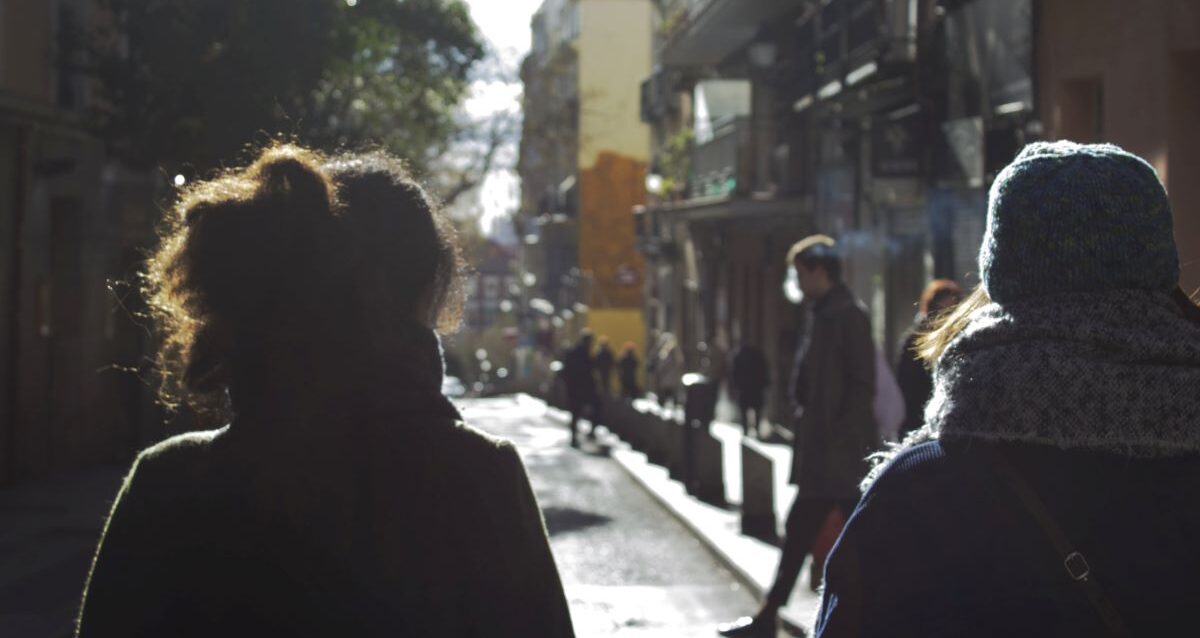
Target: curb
{"x": 636, "y": 466}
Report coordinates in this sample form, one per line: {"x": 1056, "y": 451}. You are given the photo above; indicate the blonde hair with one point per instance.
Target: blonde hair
{"x": 947, "y": 326}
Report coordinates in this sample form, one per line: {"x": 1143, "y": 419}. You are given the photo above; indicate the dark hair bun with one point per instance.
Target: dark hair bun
{"x": 296, "y": 251}
{"x": 258, "y": 243}
{"x": 293, "y": 179}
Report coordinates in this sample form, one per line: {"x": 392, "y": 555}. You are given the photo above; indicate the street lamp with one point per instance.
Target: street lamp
{"x": 654, "y": 183}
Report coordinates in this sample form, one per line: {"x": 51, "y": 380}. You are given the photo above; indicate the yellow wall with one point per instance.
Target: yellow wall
{"x": 614, "y": 57}
{"x": 614, "y": 148}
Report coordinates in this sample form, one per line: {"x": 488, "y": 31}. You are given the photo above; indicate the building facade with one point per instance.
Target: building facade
{"x": 880, "y": 122}
{"x": 74, "y": 377}
{"x": 584, "y": 154}
{"x": 883, "y": 123}
{"x": 547, "y": 166}
{"x": 1129, "y": 73}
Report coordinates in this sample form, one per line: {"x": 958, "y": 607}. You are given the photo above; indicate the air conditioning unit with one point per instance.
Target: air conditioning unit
{"x": 657, "y": 95}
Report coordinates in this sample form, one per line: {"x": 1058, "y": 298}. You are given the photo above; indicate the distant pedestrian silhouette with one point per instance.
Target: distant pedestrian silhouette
{"x": 750, "y": 379}
{"x": 579, "y": 373}
{"x": 604, "y": 360}
{"x": 346, "y": 497}
{"x": 668, "y": 368}
{"x": 628, "y": 368}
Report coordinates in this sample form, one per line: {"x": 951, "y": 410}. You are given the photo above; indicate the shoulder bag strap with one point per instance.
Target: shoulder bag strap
{"x": 1076, "y": 565}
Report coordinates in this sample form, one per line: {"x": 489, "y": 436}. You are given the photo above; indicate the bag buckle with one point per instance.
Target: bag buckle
{"x": 1077, "y": 566}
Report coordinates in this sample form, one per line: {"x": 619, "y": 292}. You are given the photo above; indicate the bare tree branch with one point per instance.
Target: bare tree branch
{"x": 500, "y": 132}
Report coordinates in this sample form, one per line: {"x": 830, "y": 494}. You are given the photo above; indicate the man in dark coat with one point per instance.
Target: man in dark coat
{"x": 750, "y": 379}
{"x": 579, "y": 372}
{"x": 604, "y": 363}
{"x": 833, "y": 388}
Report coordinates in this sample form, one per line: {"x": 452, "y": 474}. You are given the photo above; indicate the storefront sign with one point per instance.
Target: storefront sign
{"x": 895, "y": 147}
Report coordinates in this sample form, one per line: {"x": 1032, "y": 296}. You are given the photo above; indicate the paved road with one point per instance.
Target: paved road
{"x": 48, "y": 533}
{"x": 629, "y": 568}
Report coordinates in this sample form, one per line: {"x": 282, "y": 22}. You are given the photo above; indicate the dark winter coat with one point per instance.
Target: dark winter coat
{"x": 972, "y": 562}
{"x": 579, "y": 372}
{"x": 604, "y": 362}
{"x": 915, "y": 381}
{"x": 833, "y": 387}
{"x": 378, "y": 513}
{"x": 750, "y": 375}
{"x": 628, "y": 367}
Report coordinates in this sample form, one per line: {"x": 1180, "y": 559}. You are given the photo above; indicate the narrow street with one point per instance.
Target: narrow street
{"x": 629, "y": 568}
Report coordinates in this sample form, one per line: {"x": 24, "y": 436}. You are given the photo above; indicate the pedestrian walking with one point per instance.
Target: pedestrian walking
{"x": 346, "y": 496}
{"x": 628, "y": 367}
{"x": 914, "y": 377}
{"x": 1046, "y": 491}
{"x": 750, "y": 378}
{"x": 833, "y": 388}
{"x": 669, "y": 370}
{"x": 605, "y": 361}
{"x": 579, "y": 373}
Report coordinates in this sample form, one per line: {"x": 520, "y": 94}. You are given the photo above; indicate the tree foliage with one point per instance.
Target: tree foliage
{"x": 188, "y": 83}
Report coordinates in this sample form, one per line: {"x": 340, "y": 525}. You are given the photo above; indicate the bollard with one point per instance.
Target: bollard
{"x": 700, "y": 406}
{"x": 707, "y": 481}
{"x": 758, "y": 493}
{"x": 635, "y": 433}
{"x": 657, "y": 444}
{"x": 616, "y": 418}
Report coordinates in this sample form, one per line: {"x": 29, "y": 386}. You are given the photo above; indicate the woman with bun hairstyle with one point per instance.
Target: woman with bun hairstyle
{"x": 299, "y": 297}
{"x": 1052, "y": 489}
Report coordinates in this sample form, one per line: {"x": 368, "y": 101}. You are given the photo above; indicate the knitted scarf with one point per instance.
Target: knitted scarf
{"x": 1117, "y": 371}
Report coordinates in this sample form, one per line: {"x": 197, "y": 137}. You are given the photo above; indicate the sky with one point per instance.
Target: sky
{"x": 505, "y": 24}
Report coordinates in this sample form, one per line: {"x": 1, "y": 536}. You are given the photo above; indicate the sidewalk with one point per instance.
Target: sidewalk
{"x": 48, "y": 533}
{"x": 753, "y": 561}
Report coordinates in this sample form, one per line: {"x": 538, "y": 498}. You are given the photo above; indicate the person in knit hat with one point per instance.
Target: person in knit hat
{"x": 1051, "y": 489}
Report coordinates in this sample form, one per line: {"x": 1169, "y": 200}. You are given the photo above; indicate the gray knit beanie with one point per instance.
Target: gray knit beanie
{"x": 1067, "y": 217}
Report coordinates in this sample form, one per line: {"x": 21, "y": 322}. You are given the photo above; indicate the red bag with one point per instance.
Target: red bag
{"x": 823, "y": 544}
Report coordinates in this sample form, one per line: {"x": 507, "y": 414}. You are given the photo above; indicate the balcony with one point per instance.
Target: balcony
{"x": 849, "y": 35}
{"x": 733, "y": 174}
{"x": 722, "y": 166}
{"x": 712, "y": 30}
{"x": 742, "y": 161}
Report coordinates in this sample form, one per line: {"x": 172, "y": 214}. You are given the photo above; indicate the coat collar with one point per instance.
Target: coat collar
{"x": 838, "y": 298}
{"x": 317, "y": 379}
